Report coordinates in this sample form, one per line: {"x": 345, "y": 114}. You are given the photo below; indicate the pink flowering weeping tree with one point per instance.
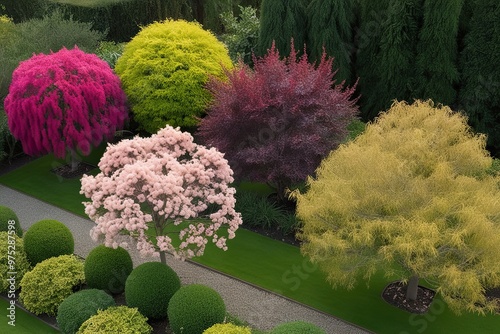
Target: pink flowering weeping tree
{"x": 165, "y": 183}
{"x": 67, "y": 101}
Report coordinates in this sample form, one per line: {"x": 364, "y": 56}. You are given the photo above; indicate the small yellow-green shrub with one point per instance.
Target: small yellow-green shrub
{"x": 11, "y": 244}
{"x": 227, "y": 329}
{"x": 116, "y": 319}
{"x": 45, "y": 287}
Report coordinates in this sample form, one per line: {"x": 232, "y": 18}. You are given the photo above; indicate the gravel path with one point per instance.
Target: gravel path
{"x": 260, "y": 308}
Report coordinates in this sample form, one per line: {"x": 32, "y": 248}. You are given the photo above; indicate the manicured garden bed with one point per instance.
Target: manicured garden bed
{"x": 277, "y": 267}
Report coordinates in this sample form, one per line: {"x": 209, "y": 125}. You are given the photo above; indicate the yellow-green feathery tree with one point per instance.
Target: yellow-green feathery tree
{"x": 414, "y": 197}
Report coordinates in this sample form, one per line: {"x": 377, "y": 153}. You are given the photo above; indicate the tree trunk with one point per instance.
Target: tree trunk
{"x": 412, "y": 288}
{"x": 75, "y": 160}
{"x": 163, "y": 257}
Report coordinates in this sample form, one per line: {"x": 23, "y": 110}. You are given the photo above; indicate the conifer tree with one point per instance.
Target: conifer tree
{"x": 413, "y": 197}
{"x": 330, "y": 30}
{"x": 437, "y": 51}
{"x": 479, "y": 94}
{"x": 281, "y": 21}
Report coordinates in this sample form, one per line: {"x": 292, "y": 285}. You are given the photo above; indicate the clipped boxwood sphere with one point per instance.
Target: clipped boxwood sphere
{"x": 227, "y": 329}
{"x": 107, "y": 268}
{"x": 47, "y": 238}
{"x": 7, "y": 216}
{"x": 164, "y": 69}
{"x": 116, "y": 319}
{"x": 297, "y": 327}
{"x": 149, "y": 287}
{"x": 80, "y": 306}
{"x": 194, "y": 308}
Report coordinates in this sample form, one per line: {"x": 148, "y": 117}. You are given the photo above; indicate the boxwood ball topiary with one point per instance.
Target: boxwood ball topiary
{"x": 22, "y": 265}
{"x": 9, "y": 218}
{"x": 47, "y": 238}
{"x": 194, "y": 308}
{"x": 297, "y": 327}
{"x": 107, "y": 268}
{"x": 228, "y": 328}
{"x": 149, "y": 287}
{"x": 78, "y": 307}
{"x": 116, "y": 319}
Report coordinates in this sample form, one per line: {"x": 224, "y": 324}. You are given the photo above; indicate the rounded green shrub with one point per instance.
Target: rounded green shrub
{"x": 116, "y": 319}
{"x": 20, "y": 266}
{"x": 164, "y": 69}
{"x": 227, "y": 329}
{"x": 47, "y": 238}
{"x": 107, "y": 268}
{"x": 80, "y": 306}
{"x": 9, "y": 221}
{"x": 194, "y": 308}
{"x": 149, "y": 287}
{"x": 297, "y": 327}
{"x": 45, "y": 287}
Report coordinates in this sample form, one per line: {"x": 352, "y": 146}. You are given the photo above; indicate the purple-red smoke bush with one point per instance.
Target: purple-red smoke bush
{"x": 276, "y": 123}
{"x": 157, "y": 183}
{"x": 67, "y": 100}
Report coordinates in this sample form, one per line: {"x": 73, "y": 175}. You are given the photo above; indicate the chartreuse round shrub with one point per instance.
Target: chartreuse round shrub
{"x": 45, "y": 287}
{"x": 107, "y": 268}
{"x": 116, "y": 319}
{"x": 164, "y": 69}
{"x": 47, "y": 238}
{"x": 194, "y": 308}
{"x": 149, "y": 287}
{"x": 9, "y": 221}
{"x": 297, "y": 327}
{"x": 79, "y": 307}
{"x": 227, "y": 329}
{"x": 20, "y": 265}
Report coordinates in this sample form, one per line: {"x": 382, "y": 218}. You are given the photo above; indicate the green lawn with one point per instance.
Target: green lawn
{"x": 25, "y": 323}
{"x": 278, "y": 267}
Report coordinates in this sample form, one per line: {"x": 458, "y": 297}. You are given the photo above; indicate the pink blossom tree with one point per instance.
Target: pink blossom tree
{"x": 162, "y": 183}
{"x": 65, "y": 101}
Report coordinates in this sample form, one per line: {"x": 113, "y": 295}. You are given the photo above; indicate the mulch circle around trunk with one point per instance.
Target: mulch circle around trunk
{"x": 65, "y": 171}
{"x": 395, "y": 294}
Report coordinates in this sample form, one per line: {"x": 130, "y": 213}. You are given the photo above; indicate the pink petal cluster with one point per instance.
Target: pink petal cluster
{"x": 157, "y": 183}
{"x": 65, "y": 100}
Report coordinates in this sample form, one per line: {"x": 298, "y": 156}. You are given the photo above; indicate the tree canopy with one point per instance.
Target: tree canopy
{"x": 414, "y": 197}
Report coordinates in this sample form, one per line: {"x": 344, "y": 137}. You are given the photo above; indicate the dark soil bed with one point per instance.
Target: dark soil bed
{"x": 395, "y": 294}
{"x": 67, "y": 172}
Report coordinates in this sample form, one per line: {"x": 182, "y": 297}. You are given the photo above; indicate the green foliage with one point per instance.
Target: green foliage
{"x": 49, "y": 33}
{"x": 110, "y": 52}
{"x": 227, "y": 329}
{"x": 6, "y": 215}
{"x": 194, "y": 308}
{"x": 355, "y": 128}
{"x": 21, "y": 265}
{"x": 330, "y": 30}
{"x": 280, "y": 22}
{"x": 79, "y": 307}
{"x": 47, "y": 238}
{"x": 7, "y": 141}
{"x": 150, "y": 287}
{"x": 116, "y": 319}
{"x": 411, "y": 196}
{"x": 50, "y": 282}
{"x": 241, "y": 33}
{"x": 108, "y": 268}
{"x": 297, "y": 327}
{"x": 437, "y": 51}
{"x": 164, "y": 69}
{"x": 23, "y": 10}
{"x": 479, "y": 94}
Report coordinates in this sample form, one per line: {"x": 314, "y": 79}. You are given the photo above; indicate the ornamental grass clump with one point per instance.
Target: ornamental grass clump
{"x": 51, "y": 281}
{"x": 194, "y": 308}
{"x": 79, "y": 307}
{"x": 150, "y": 187}
{"x": 149, "y": 287}
{"x": 107, "y": 268}
{"x": 164, "y": 69}
{"x": 47, "y": 238}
